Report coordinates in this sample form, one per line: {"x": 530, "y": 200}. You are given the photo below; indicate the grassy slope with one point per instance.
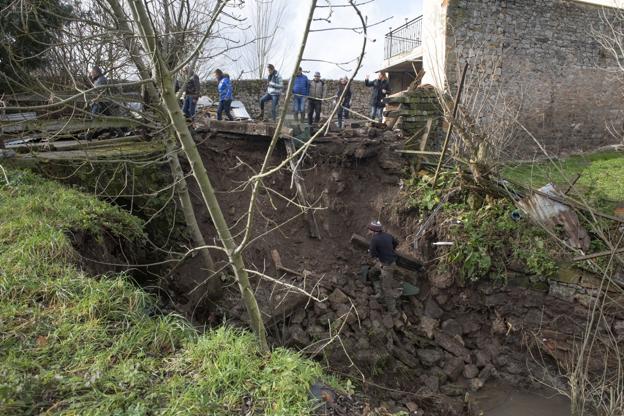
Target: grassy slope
{"x": 600, "y": 181}
{"x": 74, "y": 344}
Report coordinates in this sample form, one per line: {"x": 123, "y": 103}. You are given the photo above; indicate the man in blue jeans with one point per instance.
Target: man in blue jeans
{"x": 274, "y": 90}
{"x": 225, "y": 94}
{"x": 301, "y": 89}
{"x": 191, "y": 90}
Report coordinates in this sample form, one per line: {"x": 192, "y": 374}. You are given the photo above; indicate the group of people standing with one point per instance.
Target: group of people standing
{"x": 304, "y": 89}
{"x": 313, "y": 91}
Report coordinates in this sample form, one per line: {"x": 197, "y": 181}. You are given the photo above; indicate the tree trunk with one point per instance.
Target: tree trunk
{"x": 214, "y": 286}
{"x": 172, "y": 108}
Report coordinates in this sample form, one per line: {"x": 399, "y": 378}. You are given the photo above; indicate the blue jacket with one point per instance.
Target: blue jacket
{"x": 302, "y": 85}
{"x": 225, "y": 88}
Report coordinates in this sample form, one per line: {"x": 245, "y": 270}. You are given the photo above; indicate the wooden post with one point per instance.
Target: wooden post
{"x": 423, "y": 142}
{"x": 450, "y": 129}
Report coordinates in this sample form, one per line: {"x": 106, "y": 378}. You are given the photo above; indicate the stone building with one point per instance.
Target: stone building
{"x": 540, "y": 55}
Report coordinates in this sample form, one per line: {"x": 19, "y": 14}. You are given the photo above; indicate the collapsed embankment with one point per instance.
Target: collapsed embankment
{"x": 449, "y": 339}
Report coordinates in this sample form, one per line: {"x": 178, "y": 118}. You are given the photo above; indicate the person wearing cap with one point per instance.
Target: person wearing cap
{"x": 301, "y": 89}
{"x": 382, "y": 248}
{"x": 274, "y": 90}
{"x": 315, "y": 98}
{"x": 98, "y": 80}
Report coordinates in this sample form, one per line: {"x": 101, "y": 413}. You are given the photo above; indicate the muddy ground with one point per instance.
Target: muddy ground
{"x": 446, "y": 341}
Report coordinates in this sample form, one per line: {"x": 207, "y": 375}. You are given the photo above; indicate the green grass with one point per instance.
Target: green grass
{"x": 73, "y": 344}
{"x": 600, "y": 182}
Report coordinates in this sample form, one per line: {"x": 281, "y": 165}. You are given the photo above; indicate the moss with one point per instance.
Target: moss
{"x": 73, "y": 344}
{"x": 144, "y": 189}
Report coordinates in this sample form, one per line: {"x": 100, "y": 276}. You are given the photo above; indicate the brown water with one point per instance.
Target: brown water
{"x": 503, "y": 400}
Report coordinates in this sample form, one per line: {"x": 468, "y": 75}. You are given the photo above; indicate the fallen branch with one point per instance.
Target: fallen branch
{"x": 599, "y": 254}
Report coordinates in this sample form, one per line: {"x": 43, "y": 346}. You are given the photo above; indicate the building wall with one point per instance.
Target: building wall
{"x": 250, "y": 91}
{"x": 542, "y": 56}
{"x": 434, "y": 42}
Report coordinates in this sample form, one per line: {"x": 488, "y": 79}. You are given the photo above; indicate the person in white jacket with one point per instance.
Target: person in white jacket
{"x": 274, "y": 90}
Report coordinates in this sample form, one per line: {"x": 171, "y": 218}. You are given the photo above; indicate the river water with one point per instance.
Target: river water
{"x": 504, "y": 400}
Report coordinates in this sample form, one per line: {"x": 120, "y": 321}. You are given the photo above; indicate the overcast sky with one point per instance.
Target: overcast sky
{"x": 339, "y": 45}
{"x": 345, "y": 45}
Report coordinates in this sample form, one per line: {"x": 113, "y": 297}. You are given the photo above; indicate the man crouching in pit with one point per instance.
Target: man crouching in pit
{"x": 382, "y": 248}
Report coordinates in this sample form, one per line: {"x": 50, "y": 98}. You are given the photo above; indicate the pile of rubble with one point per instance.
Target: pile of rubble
{"x": 445, "y": 341}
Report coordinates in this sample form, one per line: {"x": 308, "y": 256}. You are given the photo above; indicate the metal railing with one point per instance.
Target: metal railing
{"x": 404, "y": 38}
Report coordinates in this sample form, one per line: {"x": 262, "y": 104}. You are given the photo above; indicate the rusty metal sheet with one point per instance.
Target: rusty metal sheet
{"x": 554, "y": 216}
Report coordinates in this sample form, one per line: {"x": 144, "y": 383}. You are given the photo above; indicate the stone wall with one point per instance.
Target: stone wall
{"x": 412, "y": 109}
{"x": 547, "y": 64}
{"x": 250, "y": 91}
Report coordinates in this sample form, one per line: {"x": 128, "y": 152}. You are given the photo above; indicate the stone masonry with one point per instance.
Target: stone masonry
{"x": 250, "y": 91}
{"x": 547, "y": 64}
{"x": 413, "y": 108}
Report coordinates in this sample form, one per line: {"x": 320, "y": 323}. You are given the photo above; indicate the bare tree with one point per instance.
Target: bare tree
{"x": 138, "y": 34}
{"x": 266, "y": 19}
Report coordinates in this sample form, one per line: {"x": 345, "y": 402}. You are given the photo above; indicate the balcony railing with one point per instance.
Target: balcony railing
{"x": 403, "y": 39}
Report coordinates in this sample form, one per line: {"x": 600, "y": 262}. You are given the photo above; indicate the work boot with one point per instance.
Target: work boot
{"x": 261, "y": 117}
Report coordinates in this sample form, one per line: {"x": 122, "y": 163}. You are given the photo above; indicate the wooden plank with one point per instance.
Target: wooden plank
{"x": 72, "y": 125}
{"x": 423, "y": 143}
{"x": 418, "y": 152}
{"x": 245, "y": 128}
{"x": 121, "y": 151}
{"x": 18, "y": 116}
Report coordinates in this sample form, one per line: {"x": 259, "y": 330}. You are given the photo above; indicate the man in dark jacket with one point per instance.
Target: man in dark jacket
{"x": 191, "y": 91}
{"x": 301, "y": 89}
{"x": 345, "y": 103}
{"x": 315, "y": 98}
{"x": 381, "y": 88}
{"x": 98, "y": 80}
{"x": 382, "y": 248}
{"x": 224, "y": 88}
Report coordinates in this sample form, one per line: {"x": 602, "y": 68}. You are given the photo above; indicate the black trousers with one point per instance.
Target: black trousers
{"x": 224, "y": 107}
{"x": 314, "y": 110}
